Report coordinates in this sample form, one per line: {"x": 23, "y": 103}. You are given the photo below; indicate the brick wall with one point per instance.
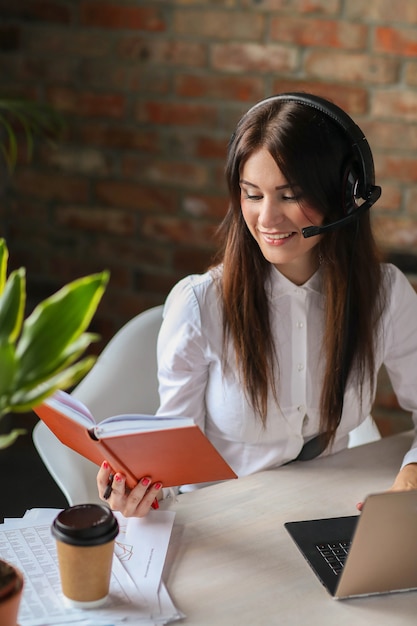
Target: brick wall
{"x": 151, "y": 92}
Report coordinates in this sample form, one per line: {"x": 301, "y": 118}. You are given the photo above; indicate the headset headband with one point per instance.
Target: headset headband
{"x": 360, "y": 147}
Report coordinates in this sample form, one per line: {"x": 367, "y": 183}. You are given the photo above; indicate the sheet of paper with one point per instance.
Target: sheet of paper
{"x": 142, "y": 545}
{"x": 136, "y": 592}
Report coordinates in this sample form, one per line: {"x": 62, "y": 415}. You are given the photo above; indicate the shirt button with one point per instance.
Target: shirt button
{"x": 300, "y": 325}
{"x": 300, "y": 367}
{"x": 301, "y": 408}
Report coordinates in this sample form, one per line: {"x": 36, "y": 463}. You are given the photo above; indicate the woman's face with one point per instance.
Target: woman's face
{"x": 275, "y": 217}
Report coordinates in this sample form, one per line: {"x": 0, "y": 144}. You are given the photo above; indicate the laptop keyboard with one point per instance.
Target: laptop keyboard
{"x": 334, "y": 554}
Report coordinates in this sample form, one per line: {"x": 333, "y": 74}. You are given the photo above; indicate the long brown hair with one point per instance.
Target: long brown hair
{"x": 312, "y": 152}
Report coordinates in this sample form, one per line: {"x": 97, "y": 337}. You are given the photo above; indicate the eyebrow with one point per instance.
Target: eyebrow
{"x": 279, "y": 188}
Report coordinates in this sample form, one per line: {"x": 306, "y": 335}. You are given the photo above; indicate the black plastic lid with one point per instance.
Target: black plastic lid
{"x": 85, "y": 525}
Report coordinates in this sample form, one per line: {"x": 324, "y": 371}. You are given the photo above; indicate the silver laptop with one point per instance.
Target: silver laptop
{"x": 371, "y": 553}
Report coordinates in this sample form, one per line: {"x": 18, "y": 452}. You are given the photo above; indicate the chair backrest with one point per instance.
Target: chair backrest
{"x": 123, "y": 380}
{"x": 367, "y": 432}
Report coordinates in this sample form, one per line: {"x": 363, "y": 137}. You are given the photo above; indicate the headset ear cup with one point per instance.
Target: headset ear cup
{"x": 350, "y": 188}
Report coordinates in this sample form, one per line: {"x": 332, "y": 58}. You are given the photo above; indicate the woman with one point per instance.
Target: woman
{"x": 275, "y": 350}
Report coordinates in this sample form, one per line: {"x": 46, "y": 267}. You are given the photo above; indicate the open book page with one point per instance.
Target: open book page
{"x": 63, "y": 401}
{"x": 116, "y": 424}
{"x": 130, "y": 424}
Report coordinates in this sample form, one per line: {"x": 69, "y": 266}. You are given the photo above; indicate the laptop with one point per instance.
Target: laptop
{"x": 371, "y": 553}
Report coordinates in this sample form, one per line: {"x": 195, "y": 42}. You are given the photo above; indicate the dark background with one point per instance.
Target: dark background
{"x": 25, "y": 482}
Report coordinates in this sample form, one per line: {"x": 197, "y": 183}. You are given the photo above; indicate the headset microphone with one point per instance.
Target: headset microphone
{"x": 312, "y": 231}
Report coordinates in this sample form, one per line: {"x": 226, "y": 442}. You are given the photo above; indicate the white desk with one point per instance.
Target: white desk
{"x": 232, "y": 563}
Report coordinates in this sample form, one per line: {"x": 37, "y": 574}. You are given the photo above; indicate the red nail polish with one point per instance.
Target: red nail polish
{"x": 145, "y": 482}
{"x": 105, "y": 465}
{"x": 118, "y": 478}
{"x": 158, "y": 485}
{"x": 155, "y": 504}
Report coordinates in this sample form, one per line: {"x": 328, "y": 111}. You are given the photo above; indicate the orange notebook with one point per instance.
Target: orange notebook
{"x": 172, "y": 450}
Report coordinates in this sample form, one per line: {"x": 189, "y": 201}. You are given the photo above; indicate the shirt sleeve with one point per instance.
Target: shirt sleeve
{"x": 182, "y": 356}
{"x": 401, "y": 348}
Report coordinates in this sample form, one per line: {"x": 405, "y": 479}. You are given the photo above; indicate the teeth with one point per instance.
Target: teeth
{"x": 278, "y": 236}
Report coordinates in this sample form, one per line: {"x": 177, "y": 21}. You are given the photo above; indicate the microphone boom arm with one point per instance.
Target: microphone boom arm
{"x": 312, "y": 231}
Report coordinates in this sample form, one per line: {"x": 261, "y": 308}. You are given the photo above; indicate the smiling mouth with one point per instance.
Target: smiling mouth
{"x": 277, "y": 237}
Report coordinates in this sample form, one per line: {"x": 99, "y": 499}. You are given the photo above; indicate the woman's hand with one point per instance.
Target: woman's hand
{"x": 406, "y": 480}
{"x": 131, "y": 503}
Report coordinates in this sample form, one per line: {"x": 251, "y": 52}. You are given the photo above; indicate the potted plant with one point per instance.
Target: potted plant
{"x": 39, "y": 355}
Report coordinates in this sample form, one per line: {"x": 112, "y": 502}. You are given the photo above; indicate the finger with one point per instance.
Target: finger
{"x": 141, "y": 498}
{"x": 136, "y": 503}
{"x": 359, "y": 506}
{"x": 116, "y": 495}
{"x": 158, "y": 488}
{"x": 103, "y": 477}
{"x": 118, "y": 487}
{"x": 104, "y": 472}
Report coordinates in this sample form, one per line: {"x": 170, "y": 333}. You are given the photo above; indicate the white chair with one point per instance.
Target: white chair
{"x": 123, "y": 380}
{"x": 367, "y": 432}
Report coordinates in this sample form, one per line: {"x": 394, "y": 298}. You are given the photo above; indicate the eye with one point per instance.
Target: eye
{"x": 252, "y": 197}
{"x": 292, "y": 197}
{"x": 247, "y": 195}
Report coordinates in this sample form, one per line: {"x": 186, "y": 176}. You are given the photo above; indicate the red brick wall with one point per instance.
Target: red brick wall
{"x": 151, "y": 92}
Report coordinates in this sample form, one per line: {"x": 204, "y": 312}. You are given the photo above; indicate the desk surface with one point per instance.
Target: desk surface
{"x": 231, "y": 562}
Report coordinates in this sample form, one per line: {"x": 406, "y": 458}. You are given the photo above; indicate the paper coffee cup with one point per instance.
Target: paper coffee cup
{"x": 85, "y": 536}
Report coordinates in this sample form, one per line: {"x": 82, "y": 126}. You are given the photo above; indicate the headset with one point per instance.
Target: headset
{"x": 359, "y": 176}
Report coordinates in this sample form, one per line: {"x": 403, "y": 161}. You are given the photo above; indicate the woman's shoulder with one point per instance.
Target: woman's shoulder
{"x": 195, "y": 292}
{"x": 394, "y": 277}
{"x": 198, "y": 284}
{"x": 399, "y": 291}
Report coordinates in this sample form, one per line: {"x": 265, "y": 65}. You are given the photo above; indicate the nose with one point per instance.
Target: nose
{"x": 271, "y": 214}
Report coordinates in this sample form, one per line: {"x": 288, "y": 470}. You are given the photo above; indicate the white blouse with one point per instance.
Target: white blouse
{"x": 194, "y": 383}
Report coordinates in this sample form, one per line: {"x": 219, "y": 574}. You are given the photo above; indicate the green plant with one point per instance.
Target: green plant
{"x": 32, "y": 119}
{"x": 41, "y": 353}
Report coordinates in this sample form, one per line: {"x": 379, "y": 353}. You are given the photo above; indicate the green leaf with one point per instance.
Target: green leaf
{"x": 7, "y": 370}
{"x": 26, "y": 398}
{"x": 68, "y": 357}
{"x": 7, "y": 440}
{"x": 12, "y": 306}
{"x": 55, "y": 323}
{"x": 4, "y": 257}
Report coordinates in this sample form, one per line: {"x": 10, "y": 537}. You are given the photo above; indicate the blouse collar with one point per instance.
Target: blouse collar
{"x": 280, "y": 285}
